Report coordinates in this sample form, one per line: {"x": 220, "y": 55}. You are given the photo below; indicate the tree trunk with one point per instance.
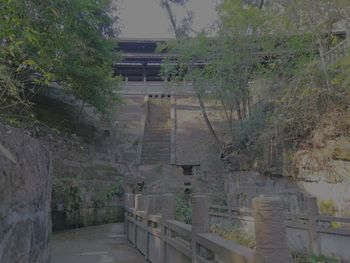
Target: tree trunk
{"x": 205, "y": 116}
{"x": 261, "y": 4}
{"x": 165, "y": 3}
{"x": 323, "y": 63}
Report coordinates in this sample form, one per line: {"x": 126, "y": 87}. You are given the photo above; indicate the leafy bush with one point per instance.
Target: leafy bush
{"x": 234, "y": 234}
{"x": 116, "y": 189}
{"x": 298, "y": 258}
{"x": 39, "y": 45}
{"x": 66, "y": 191}
{"x": 183, "y": 209}
{"x": 327, "y": 208}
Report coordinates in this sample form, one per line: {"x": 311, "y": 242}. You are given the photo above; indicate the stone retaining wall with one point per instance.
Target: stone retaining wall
{"x": 25, "y": 195}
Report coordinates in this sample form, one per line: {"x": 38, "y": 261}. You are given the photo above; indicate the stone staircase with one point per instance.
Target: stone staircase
{"x": 156, "y": 140}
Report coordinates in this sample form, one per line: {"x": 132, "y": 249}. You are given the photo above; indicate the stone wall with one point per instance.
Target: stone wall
{"x": 193, "y": 144}
{"x": 25, "y": 195}
{"x": 91, "y": 159}
{"x": 246, "y": 185}
{"x": 87, "y": 182}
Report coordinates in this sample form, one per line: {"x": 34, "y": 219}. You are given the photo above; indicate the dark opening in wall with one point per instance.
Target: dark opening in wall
{"x": 188, "y": 188}
{"x": 187, "y": 170}
{"x": 106, "y": 133}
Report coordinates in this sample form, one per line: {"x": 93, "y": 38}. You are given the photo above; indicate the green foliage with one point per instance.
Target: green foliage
{"x": 116, "y": 189}
{"x": 234, "y": 234}
{"x": 66, "y": 191}
{"x": 40, "y": 45}
{"x": 183, "y": 209}
{"x": 189, "y": 52}
{"x": 340, "y": 73}
{"x": 323, "y": 259}
{"x": 327, "y": 208}
{"x": 314, "y": 259}
{"x": 282, "y": 44}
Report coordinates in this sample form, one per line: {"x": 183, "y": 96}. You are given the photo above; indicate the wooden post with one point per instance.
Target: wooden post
{"x": 168, "y": 213}
{"x": 270, "y": 231}
{"x": 200, "y": 224}
{"x": 313, "y": 235}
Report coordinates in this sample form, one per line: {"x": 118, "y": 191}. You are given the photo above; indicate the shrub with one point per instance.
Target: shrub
{"x": 183, "y": 209}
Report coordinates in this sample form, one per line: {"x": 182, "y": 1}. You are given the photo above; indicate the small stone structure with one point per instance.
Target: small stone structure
{"x": 161, "y": 239}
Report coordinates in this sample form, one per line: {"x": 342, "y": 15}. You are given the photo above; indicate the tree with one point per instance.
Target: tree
{"x": 183, "y": 28}
{"x": 70, "y": 42}
{"x": 318, "y": 17}
{"x": 190, "y": 64}
{"x": 223, "y": 65}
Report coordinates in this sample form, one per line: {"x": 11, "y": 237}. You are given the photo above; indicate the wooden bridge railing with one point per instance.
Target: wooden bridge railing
{"x": 161, "y": 239}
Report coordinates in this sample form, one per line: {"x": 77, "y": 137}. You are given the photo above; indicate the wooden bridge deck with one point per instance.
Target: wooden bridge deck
{"x": 97, "y": 244}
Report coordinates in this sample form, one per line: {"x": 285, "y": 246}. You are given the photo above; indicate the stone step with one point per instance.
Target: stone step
{"x": 158, "y": 139}
{"x": 154, "y": 137}
{"x": 158, "y": 157}
{"x": 155, "y": 149}
{"x": 154, "y": 146}
{"x": 165, "y": 140}
{"x": 157, "y": 128}
{"x": 154, "y": 162}
{"x": 150, "y": 132}
{"x": 157, "y": 143}
{"x": 152, "y": 153}
{"x": 156, "y": 132}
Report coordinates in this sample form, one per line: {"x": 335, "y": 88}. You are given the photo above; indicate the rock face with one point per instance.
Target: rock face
{"x": 25, "y": 195}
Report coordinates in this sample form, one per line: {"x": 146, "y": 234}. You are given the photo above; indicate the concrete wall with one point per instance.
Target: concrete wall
{"x": 25, "y": 195}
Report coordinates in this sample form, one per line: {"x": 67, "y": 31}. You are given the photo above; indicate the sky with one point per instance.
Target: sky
{"x": 146, "y": 19}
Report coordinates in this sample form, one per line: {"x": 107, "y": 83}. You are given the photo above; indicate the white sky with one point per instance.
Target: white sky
{"x": 146, "y": 19}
